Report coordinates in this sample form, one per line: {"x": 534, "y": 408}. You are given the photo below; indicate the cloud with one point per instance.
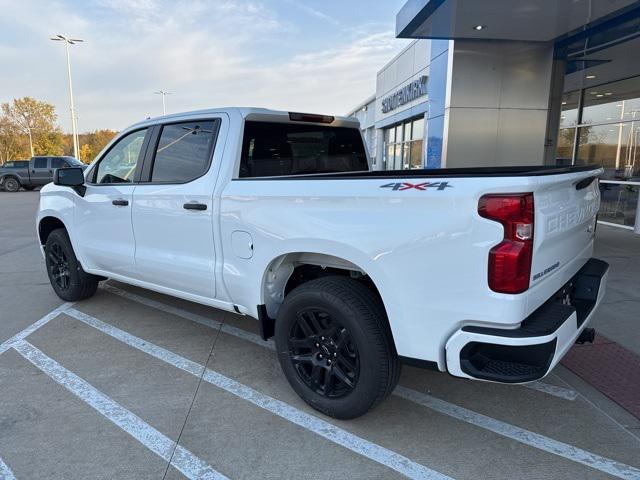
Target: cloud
{"x": 313, "y": 12}
{"x": 220, "y": 53}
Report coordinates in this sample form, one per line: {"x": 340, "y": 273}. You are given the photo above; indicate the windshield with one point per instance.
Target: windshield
{"x": 74, "y": 161}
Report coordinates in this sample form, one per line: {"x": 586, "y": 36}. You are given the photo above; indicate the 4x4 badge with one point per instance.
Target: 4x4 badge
{"x": 417, "y": 186}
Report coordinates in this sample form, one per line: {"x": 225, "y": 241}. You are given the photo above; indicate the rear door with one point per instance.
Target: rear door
{"x": 173, "y": 209}
{"x": 566, "y": 207}
{"x": 40, "y": 171}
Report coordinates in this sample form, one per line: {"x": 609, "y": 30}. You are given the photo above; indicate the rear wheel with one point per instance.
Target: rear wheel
{"x": 11, "y": 184}
{"x": 68, "y": 279}
{"x": 335, "y": 347}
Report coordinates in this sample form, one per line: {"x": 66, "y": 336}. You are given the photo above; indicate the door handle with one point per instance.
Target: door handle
{"x": 194, "y": 206}
{"x": 120, "y": 203}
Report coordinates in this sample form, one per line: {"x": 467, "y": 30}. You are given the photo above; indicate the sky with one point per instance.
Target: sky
{"x": 298, "y": 55}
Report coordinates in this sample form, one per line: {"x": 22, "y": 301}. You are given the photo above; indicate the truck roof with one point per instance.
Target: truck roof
{"x": 252, "y": 113}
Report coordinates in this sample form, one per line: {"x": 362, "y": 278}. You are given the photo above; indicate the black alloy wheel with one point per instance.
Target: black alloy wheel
{"x": 68, "y": 279}
{"x": 335, "y": 346}
{"x": 59, "y": 266}
{"x": 323, "y": 353}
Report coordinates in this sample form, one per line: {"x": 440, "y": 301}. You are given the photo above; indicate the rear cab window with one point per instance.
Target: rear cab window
{"x": 283, "y": 149}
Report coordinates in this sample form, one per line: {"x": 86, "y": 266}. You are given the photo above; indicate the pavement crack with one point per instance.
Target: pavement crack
{"x": 193, "y": 400}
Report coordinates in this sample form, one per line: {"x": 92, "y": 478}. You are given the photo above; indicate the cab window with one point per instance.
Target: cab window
{"x": 119, "y": 163}
{"x": 184, "y": 151}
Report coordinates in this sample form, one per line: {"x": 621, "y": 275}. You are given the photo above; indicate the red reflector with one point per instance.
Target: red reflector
{"x": 310, "y": 117}
{"x": 510, "y": 260}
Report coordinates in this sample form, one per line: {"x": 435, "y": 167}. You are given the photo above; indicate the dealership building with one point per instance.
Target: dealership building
{"x": 519, "y": 82}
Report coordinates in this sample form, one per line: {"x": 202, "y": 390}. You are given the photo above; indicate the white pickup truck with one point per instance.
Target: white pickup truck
{"x": 485, "y": 273}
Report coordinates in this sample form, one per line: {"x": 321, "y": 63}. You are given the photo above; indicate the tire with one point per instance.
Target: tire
{"x": 335, "y": 346}
{"x": 28, "y": 188}
{"x": 70, "y": 282}
{"x": 11, "y": 184}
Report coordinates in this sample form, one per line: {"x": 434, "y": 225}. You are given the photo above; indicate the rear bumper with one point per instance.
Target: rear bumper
{"x": 529, "y": 352}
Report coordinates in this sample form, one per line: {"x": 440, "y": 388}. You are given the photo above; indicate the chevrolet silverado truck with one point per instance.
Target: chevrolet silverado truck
{"x": 33, "y": 173}
{"x": 485, "y": 273}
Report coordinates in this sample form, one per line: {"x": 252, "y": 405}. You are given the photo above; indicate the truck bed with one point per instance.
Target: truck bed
{"x": 524, "y": 171}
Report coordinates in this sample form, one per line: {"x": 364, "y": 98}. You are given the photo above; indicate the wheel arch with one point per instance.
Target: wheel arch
{"x": 289, "y": 270}
{"x": 48, "y": 224}
{"x": 10, "y": 175}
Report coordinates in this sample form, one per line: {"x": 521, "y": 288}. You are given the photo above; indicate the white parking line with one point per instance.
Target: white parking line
{"x": 501, "y": 428}
{"x": 521, "y": 435}
{"x": 183, "y": 460}
{"x": 554, "y": 390}
{"x": 309, "y": 422}
{"x": 33, "y": 327}
{"x": 5, "y": 472}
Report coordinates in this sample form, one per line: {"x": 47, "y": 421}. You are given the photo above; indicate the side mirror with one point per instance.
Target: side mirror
{"x": 70, "y": 177}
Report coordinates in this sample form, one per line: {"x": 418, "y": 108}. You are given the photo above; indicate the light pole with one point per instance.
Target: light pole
{"x": 74, "y": 127}
{"x": 164, "y": 94}
{"x": 30, "y": 140}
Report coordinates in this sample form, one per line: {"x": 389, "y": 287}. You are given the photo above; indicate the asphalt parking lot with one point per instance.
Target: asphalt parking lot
{"x": 134, "y": 384}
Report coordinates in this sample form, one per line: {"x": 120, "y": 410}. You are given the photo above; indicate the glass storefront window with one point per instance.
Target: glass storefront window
{"x": 406, "y": 153}
{"x": 609, "y": 130}
{"x": 404, "y": 145}
{"x": 390, "y": 135}
{"x": 569, "y": 109}
{"x": 397, "y": 149}
{"x": 418, "y": 129}
{"x": 618, "y": 203}
{"x": 407, "y": 132}
{"x": 416, "y": 154}
{"x": 612, "y": 102}
{"x": 564, "y": 151}
{"x": 614, "y": 146}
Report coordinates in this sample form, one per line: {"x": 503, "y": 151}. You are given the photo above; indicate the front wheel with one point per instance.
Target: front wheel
{"x": 68, "y": 279}
{"x": 11, "y": 184}
{"x": 335, "y": 347}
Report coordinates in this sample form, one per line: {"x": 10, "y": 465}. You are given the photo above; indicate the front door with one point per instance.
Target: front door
{"x": 103, "y": 216}
{"x": 173, "y": 210}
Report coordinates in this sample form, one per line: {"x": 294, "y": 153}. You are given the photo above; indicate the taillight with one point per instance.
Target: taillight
{"x": 510, "y": 260}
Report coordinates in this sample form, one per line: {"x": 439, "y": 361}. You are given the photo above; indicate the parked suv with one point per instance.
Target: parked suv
{"x": 33, "y": 173}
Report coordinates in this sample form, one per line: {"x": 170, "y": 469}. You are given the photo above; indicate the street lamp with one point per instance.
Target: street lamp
{"x": 70, "y": 41}
{"x": 163, "y": 93}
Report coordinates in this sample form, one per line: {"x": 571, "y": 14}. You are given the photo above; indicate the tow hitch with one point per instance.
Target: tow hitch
{"x": 587, "y": 336}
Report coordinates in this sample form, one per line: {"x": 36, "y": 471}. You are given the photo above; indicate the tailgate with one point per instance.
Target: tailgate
{"x": 566, "y": 207}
